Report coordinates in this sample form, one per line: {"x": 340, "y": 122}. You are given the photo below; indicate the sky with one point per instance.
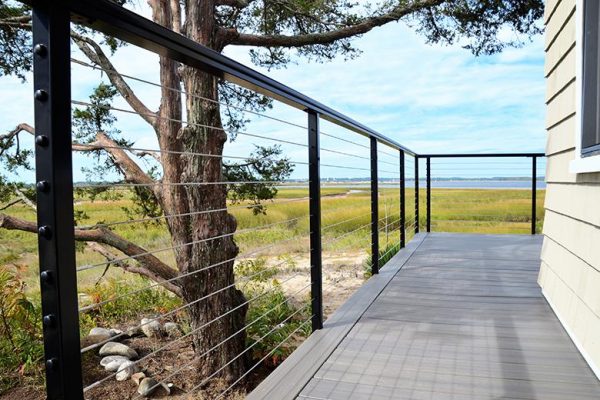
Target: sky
{"x": 430, "y": 98}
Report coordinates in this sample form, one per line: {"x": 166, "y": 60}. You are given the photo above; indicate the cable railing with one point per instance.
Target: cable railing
{"x": 191, "y": 255}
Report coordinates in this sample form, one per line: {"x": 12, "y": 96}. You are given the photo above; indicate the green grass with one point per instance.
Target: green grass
{"x": 345, "y": 222}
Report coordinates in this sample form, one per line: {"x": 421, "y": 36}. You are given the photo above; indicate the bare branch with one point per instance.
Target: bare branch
{"x": 10, "y": 204}
{"x": 24, "y": 199}
{"x": 94, "y": 52}
{"x": 234, "y": 37}
{"x": 20, "y": 128}
{"x": 148, "y": 265}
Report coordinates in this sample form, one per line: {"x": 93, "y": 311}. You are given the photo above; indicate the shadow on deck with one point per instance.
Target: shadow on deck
{"x": 452, "y": 316}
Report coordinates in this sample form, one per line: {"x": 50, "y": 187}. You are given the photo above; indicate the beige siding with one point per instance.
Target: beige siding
{"x": 570, "y": 269}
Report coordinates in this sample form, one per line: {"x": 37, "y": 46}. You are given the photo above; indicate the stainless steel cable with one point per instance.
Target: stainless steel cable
{"x": 137, "y": 362}
{"x": 83, "y": 103}
{"x": 83, "y": 63}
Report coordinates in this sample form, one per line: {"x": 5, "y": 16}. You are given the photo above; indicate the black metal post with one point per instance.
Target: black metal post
{"x": 533, "y": 193}
{"x": 58, "y": 278}
{"x": 416, "y": 194}
{"x": 402, "y": 201}
{"x": 314, "y": 190}
{"x": 374, "y": 209}
{"x": 428, "y": 194}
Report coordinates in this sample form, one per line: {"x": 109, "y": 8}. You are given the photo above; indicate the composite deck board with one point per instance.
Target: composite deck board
{"x": 456, "y": 316}
{"x": 463, "y": 318}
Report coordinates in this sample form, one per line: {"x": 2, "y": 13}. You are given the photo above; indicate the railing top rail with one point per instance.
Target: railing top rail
{"x": 112, "y": 19}
{"x": 482, "y": 155}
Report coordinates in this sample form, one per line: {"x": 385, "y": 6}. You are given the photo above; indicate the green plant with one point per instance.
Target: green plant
{"x": 21, "y": 345}
{"x": 255, "y": 270}
{"x": 117, "y": 305}
{"x": 271, "y": 318}
{"x": 385, "y": 255}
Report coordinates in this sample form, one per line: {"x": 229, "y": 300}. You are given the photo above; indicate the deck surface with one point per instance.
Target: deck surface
{"x": 461, "y": 318}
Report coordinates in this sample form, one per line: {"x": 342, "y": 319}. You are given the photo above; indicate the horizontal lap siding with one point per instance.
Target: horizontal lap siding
{"x": 570, "y": 269}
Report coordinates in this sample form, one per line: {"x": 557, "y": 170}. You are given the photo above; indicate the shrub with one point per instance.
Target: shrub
{"x": 21, "y": 344}
{"x": 385, "y": 255}
{"x": 273, "y": 316}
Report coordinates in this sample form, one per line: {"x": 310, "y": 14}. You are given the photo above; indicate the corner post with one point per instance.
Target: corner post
{"x": 416, "y": 194}
{"x": 374, "y": 209}
{"x": 402, "y": 201}
{"x": 54, "y": 183}
{"x": 533, "y": 193}
{"x": 314, "y": 190}
{"x": 428, "y": 194}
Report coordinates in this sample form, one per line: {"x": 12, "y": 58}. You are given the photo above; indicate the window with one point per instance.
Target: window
{"x": 587, "y": 86}
{"x": 590, "y": 102}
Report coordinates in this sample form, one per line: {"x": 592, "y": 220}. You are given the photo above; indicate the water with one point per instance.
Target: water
{"x": 445, "y": 184}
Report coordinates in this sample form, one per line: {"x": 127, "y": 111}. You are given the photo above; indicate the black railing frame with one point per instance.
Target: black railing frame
{"x": 54, "y": 180}
{"x": 428, "y": 157}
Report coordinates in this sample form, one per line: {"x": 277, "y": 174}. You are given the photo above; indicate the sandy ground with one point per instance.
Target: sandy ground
{"x": 343, "y": 273}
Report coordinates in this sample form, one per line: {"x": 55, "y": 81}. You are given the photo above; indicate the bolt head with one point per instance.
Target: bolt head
{"x": 52, "y": 364}
{"x": 43, "y": 186}
{"x": 40, "y": 49}
{"x": 49, "y": 320}
{"x": 41, "y": 95}
{"x": 45, "y": 231}
{"x": 46, "y": 276}
{"x": 42, "y": 140}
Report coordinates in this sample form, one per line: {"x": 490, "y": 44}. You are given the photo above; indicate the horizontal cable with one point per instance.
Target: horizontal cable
{"x": 345, "y": 234}
{"x": 90, "y": 266}
{"x": 344, "y": 140}
{"x": 129, "y": 185}
{"x": 389, "y": 172}
{"x": 183, "y": 307}
{"x": 230, "y": 361}
{"x": 344, "y": 221}
{"x": 149, "y": 219}
{"x": 83, "y": 63}
{"x": 162, "y": 283}
{"x": 137, "y": 362}
{"x": 259, "y": 362}
{"x": 344, "y": 167}
{"x": 83, "y": 103}
{"x": 345, "y": 154}
{"x": 389, "y": 250}
{"x": 186, "y": 153}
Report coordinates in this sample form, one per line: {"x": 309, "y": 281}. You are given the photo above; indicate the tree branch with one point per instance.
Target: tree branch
{"x": 148, "y": 265}
{"x": 232, "y": 36}
{"x": 94, "y": 52}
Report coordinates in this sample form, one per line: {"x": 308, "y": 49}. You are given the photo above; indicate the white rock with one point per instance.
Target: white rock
{"x": 112, "y": 363}
{"x": 118, "y": 349}
{"x": 100, "y": 332}
{"x": 126, "y": 369}
{"x": 115, "y": 332}
{"x": 149, "y": 385}
{"x": 151, "y": 327}
{"x": 171, "y": 329}
{"x": 134, "y": 331}
{"x": 137, "y": 377}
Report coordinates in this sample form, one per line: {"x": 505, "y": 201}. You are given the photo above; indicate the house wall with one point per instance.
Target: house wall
{"x": 570, "y": 269}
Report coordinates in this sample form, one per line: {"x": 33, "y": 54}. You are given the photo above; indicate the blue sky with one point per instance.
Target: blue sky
{"x": 430, "y": 98}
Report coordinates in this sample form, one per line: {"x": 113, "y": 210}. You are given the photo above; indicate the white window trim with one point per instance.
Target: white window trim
{"x": 590, "y": 163}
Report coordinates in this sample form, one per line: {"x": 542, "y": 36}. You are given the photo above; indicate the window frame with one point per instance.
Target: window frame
{"x": 586, "y": 159}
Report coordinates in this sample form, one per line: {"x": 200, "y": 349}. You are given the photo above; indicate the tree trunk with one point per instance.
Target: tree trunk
{"x": 188, "y": 233}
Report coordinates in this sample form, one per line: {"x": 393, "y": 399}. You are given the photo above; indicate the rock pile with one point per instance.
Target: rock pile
{"x": 120, "y": 359}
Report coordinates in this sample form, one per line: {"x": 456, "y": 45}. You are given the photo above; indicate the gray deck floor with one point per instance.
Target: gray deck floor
{"x": 452, "y": 316}
{"x": 463, "y": 318}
